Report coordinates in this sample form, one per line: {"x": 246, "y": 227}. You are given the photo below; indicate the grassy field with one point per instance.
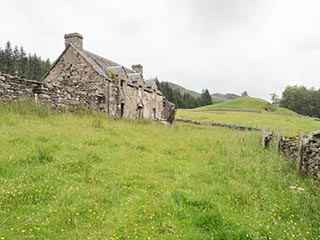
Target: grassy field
{"x": 84, "y": 176}
{"x": 277, "y": 119}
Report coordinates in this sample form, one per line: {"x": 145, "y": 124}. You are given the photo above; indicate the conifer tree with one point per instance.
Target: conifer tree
{"x": 23, "y": 62}
{"x": 8, "y": 59}
{"x": 17, "y": 62}
{"x": 205, "y": 98}
{"x": 1, "y": 60}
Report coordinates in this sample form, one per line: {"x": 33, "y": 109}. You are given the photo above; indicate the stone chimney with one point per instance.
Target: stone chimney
{"x": 75, "y": 38}
{"x": 137, "y": 68}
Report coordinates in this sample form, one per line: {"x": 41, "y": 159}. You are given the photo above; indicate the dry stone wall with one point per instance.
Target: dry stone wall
{"x": 289, "y": 147}
{"x": 13, "y": 88}
{"x": 169, "y": 111}
{"x": 231, "y": 126}
{"x": 309, "y": 155}
{"x": 129, "y": 97}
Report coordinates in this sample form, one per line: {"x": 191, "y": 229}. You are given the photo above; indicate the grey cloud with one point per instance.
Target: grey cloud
{"x": 212, "y": 16}
{"x": 223, "y": 45}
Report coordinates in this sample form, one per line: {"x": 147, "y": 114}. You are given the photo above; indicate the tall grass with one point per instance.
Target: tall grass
{"x": 25, "y": 106}
{"x": 70, "y": 176}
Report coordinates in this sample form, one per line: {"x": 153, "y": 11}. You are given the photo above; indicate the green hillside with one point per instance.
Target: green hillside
{"x": 247, "y": 104}
{"x": 216, "y": 97}
{"x": 184, "y": 90}
{"x": 85, "y": 176}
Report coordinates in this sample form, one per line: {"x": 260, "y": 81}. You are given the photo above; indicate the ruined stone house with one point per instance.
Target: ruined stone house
{"x": 81, "y": 78}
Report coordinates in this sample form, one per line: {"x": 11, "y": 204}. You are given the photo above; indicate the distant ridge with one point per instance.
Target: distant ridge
{"x": 219, "y": 97}
{"x": 216, "y": 97}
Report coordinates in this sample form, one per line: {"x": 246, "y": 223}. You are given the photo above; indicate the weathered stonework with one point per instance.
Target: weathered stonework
{"x": 311, "y": 155}
{"x": 288, "y": 146}
{"x": 13, "y": 88}
{"x": 310, "y": 152}
{"x": 81, "y": 78}
{"x": 72, "y": 83}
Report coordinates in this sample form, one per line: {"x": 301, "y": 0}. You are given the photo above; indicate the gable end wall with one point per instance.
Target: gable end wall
{"x": 73, "y": 83}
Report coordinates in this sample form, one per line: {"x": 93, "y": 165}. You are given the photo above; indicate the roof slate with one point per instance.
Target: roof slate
{"x": 149, "y": 82}
{"x": 103, "y": 65}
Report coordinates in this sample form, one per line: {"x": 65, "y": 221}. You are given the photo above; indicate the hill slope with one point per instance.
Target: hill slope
{"x": 247, "y": 104}
{"x": 216, "y": 97}
{"x": 255, "y": 113}
{"x": 184, "y": 90}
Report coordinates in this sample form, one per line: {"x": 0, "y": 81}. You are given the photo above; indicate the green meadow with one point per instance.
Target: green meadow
{"x": 86, "y": 176}
{"x": 253, "y": 112}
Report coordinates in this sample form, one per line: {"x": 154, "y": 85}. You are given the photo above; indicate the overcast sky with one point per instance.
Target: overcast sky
{"x": 226, "y": 46}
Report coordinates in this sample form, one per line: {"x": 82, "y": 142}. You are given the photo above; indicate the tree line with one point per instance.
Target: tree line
{"x": 16, "y": 61}
{"x": 301, "y": 100}
{"x": 184, "y": 100}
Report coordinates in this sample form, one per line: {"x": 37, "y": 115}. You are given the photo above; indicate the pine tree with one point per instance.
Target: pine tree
{"x": 23, "y": 63}
{"x": 16, "y": 62}
{"x": 8, "y": 59}
{"x": 15, "y": 59}
{"x": 205, "y": 98}
{"x": 1, "y": 60}
{"x": 45, "y": 66}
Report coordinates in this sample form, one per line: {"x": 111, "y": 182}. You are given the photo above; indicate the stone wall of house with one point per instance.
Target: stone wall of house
{"x": 149, "y": 101}
{"x": 156, "y": 106}
{"x": 13, "y": 88}
{"x": 152, "y": 109}
{"x": 73, "y": 83}
{"x": 159, "y": 106}
{"x": 129, "y": 100}
{"x": 168, "y": 111}
{"x": 310, "y": 152}
{"x": 149, "y": 104}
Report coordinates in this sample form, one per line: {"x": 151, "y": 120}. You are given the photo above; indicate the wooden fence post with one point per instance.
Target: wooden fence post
{"x": 263, "y": 136}
{"x": 300, "y": 152}
{"x": 36, "y": 97}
